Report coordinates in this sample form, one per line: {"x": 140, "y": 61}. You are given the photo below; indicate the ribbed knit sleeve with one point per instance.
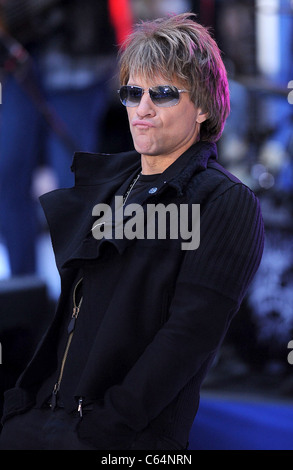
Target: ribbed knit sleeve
{"x": 231, "y": 243}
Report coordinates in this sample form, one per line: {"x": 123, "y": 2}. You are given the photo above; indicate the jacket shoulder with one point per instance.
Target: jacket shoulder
{"x": 207, "y": 185}
{"x": 219, "y": 171}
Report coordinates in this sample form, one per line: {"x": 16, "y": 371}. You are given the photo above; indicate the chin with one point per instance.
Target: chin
{"x": 143, "y": 150}
{"x": 144, "y": 145}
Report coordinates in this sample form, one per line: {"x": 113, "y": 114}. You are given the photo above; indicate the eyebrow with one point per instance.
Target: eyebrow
{"x": 151, "y": 86}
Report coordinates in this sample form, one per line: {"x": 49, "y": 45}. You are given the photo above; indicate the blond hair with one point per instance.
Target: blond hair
{"x": 178, "y": 46}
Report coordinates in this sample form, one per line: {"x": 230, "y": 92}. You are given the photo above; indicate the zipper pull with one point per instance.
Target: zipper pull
{"x": 53, "y": 403}
{"x": 71, "y": 325}
{"x": 75, "y": 311}
{"x": 72, "y": 322}
{"x": 79, "y": 408}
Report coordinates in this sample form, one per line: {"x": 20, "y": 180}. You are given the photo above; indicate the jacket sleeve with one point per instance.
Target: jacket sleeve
{"x": 210, "y": 287}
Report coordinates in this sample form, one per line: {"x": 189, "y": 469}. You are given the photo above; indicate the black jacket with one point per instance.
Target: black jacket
{"x": 159, "y": 313}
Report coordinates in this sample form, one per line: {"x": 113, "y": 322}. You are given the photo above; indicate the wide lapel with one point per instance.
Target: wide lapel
{"x": 99, "y": 178}
{"x": 69, "y": 211}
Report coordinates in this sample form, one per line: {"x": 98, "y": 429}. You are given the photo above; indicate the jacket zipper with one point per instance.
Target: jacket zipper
{"x": 70, "y": 331}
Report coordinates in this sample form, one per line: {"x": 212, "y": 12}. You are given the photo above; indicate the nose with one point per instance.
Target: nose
{"x": 146, "y": 107}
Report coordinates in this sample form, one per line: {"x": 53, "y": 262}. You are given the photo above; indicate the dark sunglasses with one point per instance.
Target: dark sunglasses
{"x": 162, "y": 95}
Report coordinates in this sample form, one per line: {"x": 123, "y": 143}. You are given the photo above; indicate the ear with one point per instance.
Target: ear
{"x": 201, "y": 117}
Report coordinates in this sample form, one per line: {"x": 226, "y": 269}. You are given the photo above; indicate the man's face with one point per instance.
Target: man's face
{"x": 159, "y": 131}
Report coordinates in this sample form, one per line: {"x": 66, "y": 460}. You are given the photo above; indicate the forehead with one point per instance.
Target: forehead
{"x": 154, "y": 80}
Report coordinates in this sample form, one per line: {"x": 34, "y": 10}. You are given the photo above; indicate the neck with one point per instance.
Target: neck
{"x": 152, "y": 165}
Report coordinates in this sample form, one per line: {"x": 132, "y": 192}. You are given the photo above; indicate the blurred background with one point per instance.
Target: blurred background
{"x": 58, "y": 74}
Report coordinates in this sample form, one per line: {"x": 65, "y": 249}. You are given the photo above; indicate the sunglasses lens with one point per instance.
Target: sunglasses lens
{"x": 164, "y": 96}
{"x": 130, "y": 95}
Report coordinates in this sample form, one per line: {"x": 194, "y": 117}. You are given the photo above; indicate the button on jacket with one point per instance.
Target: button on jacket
{"x": 159, "y": 313}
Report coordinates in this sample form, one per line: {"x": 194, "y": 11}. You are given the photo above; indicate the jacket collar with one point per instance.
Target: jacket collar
{"x": 69, "y": 211}
{"x": 94, "y": 169}
{"x": 193, "y": 160}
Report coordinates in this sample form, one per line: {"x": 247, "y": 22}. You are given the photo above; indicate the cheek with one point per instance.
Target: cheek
{"x": 183, "y": 121}
{"x": 190, "y": 114}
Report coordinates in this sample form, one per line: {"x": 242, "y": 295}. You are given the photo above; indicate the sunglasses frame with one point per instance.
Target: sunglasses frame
{"x": 150, "y": 90}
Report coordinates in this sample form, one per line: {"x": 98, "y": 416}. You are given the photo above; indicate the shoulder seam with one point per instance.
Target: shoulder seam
{"x": 230, "y": 187}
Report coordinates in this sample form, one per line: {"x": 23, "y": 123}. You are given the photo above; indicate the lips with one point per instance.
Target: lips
{"x": 142, "y": 124}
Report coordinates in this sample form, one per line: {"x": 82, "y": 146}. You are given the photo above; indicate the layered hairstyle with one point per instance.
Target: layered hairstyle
{"x": 178, "y": 47}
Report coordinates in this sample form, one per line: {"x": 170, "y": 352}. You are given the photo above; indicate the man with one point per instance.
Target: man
{"x": 141, "y": 318}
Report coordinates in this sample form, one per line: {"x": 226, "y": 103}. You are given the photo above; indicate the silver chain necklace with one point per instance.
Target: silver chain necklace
{"x": 130, "y": 188}
{"x": 125, "y": 197}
